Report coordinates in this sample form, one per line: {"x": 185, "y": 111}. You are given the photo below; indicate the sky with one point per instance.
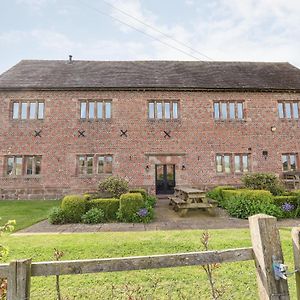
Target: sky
{"x": 218, "y": 30}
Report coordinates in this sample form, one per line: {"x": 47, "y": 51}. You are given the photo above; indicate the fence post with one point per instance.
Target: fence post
{"x": 266, "y": 245}
{"x": 296, "y": 250}
{"x": 18, "y": 284}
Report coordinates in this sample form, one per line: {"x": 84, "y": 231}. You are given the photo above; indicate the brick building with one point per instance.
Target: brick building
{"x": 65, "y": 125}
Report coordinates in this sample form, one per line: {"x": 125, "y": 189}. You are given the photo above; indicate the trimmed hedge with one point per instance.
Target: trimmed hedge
{"x": 216, "y": 193}
{"x": 74, "y": 206}
{"x": 280, "y": 200}
{"x": 143, "y": 192}
{"x": 109, "y": 206}
{"x": 130, "y": 204}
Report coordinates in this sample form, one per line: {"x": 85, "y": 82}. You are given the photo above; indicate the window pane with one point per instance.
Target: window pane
{"x": 293, "y": 162}
{"x": 41, "y": 110}
{"x": 227, "y": 163}
{"x": 231, "y": 111}
{"x": 224, "y": 110}
{"x": 108, "y": 164}
{"x": 237, "y": 163}
{"x": 216, "y": 111}
{"x": 288, "y": 110}
{"x": 100, "y": 164}
{"x": 83, "y": 110}
{"x": 91, "y": 110}
{"x": 175, "y": 110}
{"x": 38, "y": 162}
{"x": 10, "y": 166}
{"x": 240, "y": 111}
{"x": 24, "y": 111}
{"x": 29, "y": 165}
{"x": 219, "y": 163}
{"x": 151, "y": 110}
{"x": 285, "y": 166}
{"x": 295, "y": 111}
{"x": 280, "y": 110}
{"x": 245, "y": 164}
{"x": 107, "y": 110}
{"x": 15, "y": 110}
{"x": 81, "y": 164}
{"x": 167, "y": 110}
{"x": 100, "y": 110}
{"x": 159, "y": 110}
{"x": 32, "y": 114}
{"x": 19, "y": 166}
{"x": 89, "y": 164}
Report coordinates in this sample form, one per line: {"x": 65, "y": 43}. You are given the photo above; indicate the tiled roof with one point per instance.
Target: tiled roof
{"x": 59, "y": 74}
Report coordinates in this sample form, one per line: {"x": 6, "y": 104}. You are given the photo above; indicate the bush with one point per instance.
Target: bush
{"x": 247, "y": 203}
{"x": 290, "y": 205}
{"x": 143, "y": 192}
{"x": 109, "y": 207}
{"x": 216, "y": 193}
{"x": 130, "y": 205}
{"x": 93, "y": 216}
{"x": 57, "y": 216}
{"x": 74, "y": 206}
{"x": 115, "y": 186}
{"x": 150, "y": 201}
{"x": 264, "y": 181}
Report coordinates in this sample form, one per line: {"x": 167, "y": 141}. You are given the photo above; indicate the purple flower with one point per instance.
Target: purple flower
{"x": 143, "y": 212}
{"x": 288, "y": 207}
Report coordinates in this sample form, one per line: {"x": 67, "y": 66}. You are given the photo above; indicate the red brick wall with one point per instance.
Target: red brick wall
{"x": 195, "y": 136}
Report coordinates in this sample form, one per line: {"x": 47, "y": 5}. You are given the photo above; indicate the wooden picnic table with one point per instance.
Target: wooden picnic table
{"x": 292, "y": 179}
{"x": 186, "y": 198}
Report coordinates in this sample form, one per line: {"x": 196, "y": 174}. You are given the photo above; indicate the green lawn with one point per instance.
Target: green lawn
{"x": 25, "y": 212}
{"x": 237, "y": 279}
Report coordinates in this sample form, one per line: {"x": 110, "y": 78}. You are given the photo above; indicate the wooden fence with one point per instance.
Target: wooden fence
{"x": 266, "y": 248}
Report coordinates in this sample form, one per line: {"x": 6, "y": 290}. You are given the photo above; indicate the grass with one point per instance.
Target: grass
{"x": 25, "y": 212}
{"x": 237, "y": 279}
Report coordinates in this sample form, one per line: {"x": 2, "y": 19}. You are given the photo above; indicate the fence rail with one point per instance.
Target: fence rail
{"x": 265, "y": 247}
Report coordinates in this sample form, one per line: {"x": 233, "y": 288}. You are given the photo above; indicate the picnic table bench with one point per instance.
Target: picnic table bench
{"x": 186, "y": 198}
{"x": 291, "y": 179}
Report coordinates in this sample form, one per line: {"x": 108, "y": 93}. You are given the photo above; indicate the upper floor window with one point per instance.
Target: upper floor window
{"x": 28, "y": 110}
{"x": 232, "y": 163}
{"x": 226, "y": 110}
{"x": 94, "y": 164}
{"x": 288, "y": 110}
{"x": 163, "y": 110}
{"x": 95, "y": 110}
{"x": 289, "y": 162}
{"x": 23, "y": 165}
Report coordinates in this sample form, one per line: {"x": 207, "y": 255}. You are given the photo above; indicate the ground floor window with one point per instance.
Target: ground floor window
{"x": 94, "y": 164}
{"x": 289, "y": 161}
{"x": 232, "y": 163}
{"x": 23, "y": 165}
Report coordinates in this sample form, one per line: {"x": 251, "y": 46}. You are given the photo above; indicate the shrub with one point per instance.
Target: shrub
{"x": 108, "y": 206}
{"x": 247, "y": 203}
{"x": 57, "y": 216}
{"x": 264, "y": 181}
{"x": 115, "y": 186}
{"x": 93, "y": 216}
{"x": 290, "y": 205}
{"x": 130, "y": 205}
{"x": 145, "y": 214}
{"x": 74, "y": 206}
{"x": 143, "y": 192}
{"x": 150, "y": 201}
{"x": 216, "y": 193}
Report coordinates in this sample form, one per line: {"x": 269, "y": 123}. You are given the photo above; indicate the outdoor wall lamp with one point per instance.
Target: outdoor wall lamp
{"x": 273, "y": 128}
{"x": 183, "y": 167}
{"x": 147, "y": 168}
{"x": 265, "y": 154}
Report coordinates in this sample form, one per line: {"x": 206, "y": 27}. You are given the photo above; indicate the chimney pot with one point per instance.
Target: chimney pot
{"x": 70, "y": 59}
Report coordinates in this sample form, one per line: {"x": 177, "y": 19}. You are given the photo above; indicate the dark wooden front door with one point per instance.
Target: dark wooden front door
{"x": 165, "y": 179}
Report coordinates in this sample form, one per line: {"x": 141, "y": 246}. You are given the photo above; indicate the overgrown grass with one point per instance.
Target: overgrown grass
{"x": 238, "y": 279}
{"x": 25, "y": 212}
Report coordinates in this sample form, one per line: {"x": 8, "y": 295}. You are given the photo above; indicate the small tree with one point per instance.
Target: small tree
{"x": 114, "y": 186}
